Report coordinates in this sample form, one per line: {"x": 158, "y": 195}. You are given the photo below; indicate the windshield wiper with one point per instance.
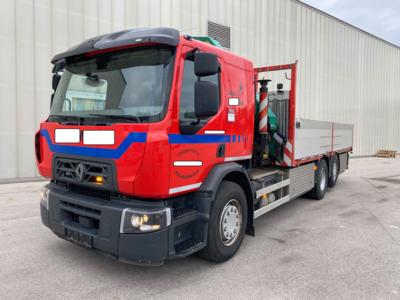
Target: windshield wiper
{"x": 118, "y": 117}
{"x": 79, "y": 119}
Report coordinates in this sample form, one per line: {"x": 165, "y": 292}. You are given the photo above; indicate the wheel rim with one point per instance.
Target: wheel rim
{"x": 322, "y": 183}
{"x": 230, "y": 222}
{"x": 334, "y": 169}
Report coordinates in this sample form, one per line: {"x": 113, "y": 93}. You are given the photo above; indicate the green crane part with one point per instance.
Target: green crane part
{"x": 272, "y": 120}
{"x": 207, "y": 39}
{"x": 273, "y": 148}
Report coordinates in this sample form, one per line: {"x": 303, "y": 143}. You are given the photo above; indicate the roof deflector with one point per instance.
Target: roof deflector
{"x": 161, "y": 35}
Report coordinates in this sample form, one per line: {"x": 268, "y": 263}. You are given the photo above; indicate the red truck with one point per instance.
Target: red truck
{"x": 160, "y": 145}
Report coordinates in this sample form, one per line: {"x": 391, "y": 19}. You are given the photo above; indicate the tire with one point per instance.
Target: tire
{"x": 220, "y": 247}
{"x": 321, "y": 181}
{"x": 334, "y": 172}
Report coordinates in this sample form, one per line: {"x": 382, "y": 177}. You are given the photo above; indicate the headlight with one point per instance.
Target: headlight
{"x": 44, "y": 197}
{"x": 136, "y": 221}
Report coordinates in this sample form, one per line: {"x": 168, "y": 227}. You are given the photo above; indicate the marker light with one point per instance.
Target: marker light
{"x": 136, "y": 221}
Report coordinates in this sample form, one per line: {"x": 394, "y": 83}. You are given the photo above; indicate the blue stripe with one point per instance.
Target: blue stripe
{"x": 133, "y": 137}
{"x": 198, "y": 139}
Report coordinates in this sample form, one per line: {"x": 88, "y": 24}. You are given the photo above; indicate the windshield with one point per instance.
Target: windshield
{"x": 131, "y": 85}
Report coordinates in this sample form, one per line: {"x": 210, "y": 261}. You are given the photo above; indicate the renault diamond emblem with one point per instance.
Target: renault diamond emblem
{"x": 79, "y": 171}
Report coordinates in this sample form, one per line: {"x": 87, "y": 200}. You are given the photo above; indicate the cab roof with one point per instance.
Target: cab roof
{"x": 162, "y": 35}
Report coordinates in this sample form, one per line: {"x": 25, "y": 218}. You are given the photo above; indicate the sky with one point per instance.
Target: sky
{"x": 379, "y": 17}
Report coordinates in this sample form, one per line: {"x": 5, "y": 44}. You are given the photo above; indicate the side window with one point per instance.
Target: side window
{"x": 186, "y": 110}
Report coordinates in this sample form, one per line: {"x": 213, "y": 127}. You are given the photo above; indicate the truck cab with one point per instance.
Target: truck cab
{"x": 134, "y": 108}
{"x": 138, "y": 120}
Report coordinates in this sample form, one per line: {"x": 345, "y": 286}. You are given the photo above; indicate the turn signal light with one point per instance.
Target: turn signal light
{"x": 99, "y": 179}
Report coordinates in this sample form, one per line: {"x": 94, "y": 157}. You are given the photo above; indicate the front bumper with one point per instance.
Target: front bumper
{"x": 95, "y": 223}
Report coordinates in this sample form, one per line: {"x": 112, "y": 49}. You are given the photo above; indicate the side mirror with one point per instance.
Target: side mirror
{"x": 55, "y": 81}
{"x": 206, "y": 100}
{"x": 205, "y": 64}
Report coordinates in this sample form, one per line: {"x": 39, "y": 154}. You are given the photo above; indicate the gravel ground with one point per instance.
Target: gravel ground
{"x": 345, "y": 246}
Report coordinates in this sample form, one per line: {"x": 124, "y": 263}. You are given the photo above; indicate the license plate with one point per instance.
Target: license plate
{"x": 79, "y": 238}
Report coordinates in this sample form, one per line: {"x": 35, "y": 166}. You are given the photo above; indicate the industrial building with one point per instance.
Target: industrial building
{"x": 345, "y": 74}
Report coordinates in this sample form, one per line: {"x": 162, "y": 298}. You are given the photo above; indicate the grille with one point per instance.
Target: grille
{"x": 81, "y": 208}
{"x": 220, "y": 33}
{"x": 83, "y": 172}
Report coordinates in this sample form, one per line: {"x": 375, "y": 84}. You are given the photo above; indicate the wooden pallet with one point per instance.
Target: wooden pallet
{"x": 386, "y": 153}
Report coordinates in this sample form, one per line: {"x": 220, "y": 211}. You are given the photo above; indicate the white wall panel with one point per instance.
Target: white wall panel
{"x": 90, "y": 18}
{"x": 59, "y": 25}
{"x": 118, "y": 16}
{"x": 104, "y": 8}
{"x": 76, "y": 28}
{"x": 8, "y": 90}
{"x": 345, "y": 75}
{"x": 25, "y": 84}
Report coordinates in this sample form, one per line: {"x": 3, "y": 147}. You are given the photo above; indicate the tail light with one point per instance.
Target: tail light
{"x": 38, "y": 150}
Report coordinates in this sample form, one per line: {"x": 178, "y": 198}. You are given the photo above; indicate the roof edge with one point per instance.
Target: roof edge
{"x": 346, "y": 23}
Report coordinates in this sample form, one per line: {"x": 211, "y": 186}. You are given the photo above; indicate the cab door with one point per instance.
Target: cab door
{"x": 199, "y": 144}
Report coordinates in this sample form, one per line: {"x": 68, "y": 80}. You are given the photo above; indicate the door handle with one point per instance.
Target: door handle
{"x": 221, "y": 150}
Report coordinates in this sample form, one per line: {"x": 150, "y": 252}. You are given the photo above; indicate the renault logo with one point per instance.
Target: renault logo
{"x": 80, "y": 171}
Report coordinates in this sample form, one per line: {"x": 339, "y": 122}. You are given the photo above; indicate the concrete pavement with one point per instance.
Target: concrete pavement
{"x": 345, "y": 246}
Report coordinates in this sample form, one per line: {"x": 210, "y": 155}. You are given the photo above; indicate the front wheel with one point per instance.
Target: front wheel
{"x": 227, "y": 223}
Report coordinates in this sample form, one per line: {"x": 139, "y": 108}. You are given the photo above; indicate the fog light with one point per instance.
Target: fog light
{"x": 44, "y": 197}
{"x": 135, "y": 221}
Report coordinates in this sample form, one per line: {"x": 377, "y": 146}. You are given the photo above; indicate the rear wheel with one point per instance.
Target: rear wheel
{"x": 321, "y": 181}
{"x": 334, "y": 172}
{"x": 227, "y": 223}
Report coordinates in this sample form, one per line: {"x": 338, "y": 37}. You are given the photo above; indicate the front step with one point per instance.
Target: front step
{"x": 189, "y": 231}
{"x": 188, "y": 246}
{"x": 187, "y": 217}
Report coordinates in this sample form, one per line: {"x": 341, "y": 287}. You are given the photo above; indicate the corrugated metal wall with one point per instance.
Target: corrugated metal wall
{"x": 345, "y": 75}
